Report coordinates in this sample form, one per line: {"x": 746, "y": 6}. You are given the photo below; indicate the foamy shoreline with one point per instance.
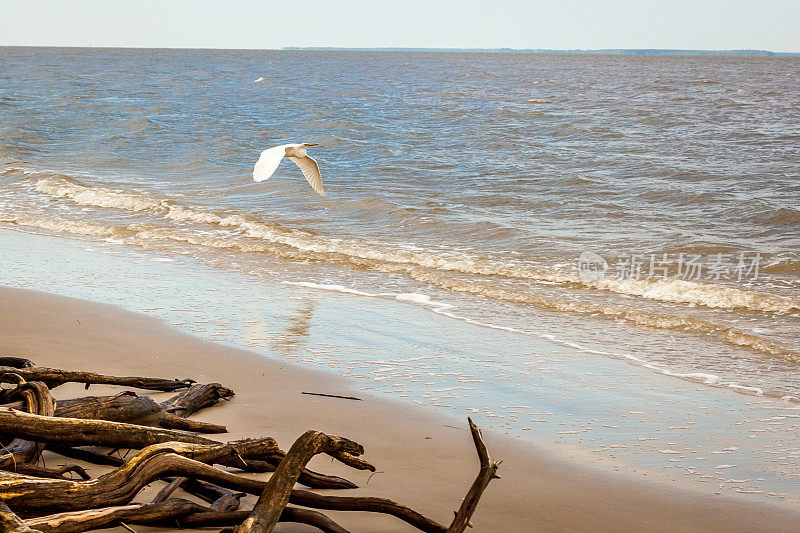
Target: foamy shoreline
{"x": 538, "y": 490}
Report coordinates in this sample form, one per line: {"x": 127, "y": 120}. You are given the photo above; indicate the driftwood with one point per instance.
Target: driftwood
{"x": 131, "y": 408}
{"x": 40, "y": 499}
{"x": 195, "y": 398}
{"x": 331, "y": 396}
{"x": 278, "y": 489}
{"x": 51, "y": 473}
{"x": 268, "y": 463}
{"x": 289, "y": 514}
{"x": 16, "y": 362}
{"x": 221, "y": 499}
{"x": 10, "y": 522}
{"x": 120, "y": 485}
{"x": 54, "y": 377}
{"x": 171, "y": 513}
{"x": 88, "y": 456}
{"x": 487, "y": 473}
{"x": 36, "y": 399}
{"x": 79, "y": 432}
{"x": 78, "y": 521}
{"x": 32, "y": 496}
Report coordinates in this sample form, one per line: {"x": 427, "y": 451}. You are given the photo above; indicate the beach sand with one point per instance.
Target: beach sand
{"x": 423, "y": 460}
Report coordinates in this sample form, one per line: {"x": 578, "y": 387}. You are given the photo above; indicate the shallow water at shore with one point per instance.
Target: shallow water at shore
{"x": 541, "y": 390}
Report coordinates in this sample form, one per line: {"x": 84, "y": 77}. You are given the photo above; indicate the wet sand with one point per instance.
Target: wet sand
{"x": 424, "y": 461}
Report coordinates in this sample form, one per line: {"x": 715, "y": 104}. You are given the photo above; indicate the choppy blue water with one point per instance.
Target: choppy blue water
{"x": 462, "y": 190}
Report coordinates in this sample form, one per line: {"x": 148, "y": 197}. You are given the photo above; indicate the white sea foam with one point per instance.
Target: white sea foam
{"x": 697, "y": 293}
{"x": 422, "y": 299}
{"x": 413, "y": 297}
{"x": 330, "y": 287}
{"x": 255, "y": 236}
{"x": 426, "y": 265}
{"x": 63, "y": 187}
{"x": 65, "y": 226}
{"x": 383, "y": 257}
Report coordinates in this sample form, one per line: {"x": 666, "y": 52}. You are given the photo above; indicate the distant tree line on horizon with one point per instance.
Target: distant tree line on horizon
{"x": 621, "y": 51}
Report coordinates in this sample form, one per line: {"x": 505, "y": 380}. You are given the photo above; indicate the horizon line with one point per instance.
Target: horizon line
{"x": 751, "y": 52}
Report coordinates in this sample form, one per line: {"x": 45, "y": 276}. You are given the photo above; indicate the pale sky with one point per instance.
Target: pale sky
{"x": 561, "y": 24}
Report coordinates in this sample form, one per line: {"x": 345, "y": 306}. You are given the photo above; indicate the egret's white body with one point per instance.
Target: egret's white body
{"x": 271, "y": 158}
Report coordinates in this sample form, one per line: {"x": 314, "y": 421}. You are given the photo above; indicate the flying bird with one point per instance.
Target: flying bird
{"x": 271, "y": 158}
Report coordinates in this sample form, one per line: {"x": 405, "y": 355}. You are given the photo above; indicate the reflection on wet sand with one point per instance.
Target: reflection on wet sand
{"x": 296, "y": 331}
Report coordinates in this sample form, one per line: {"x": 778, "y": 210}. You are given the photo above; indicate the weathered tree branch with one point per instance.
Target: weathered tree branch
{"x": 263, "y": 463}
{"x": 368, "y": 504}
{"x": 131, "y": 408}
{"x": 197, "y": 397}
{"x": 309, "y": 478}
{"x": 487, "y": 473}
{"x": 36, "y": 399}
{"x": 168, "y": 489}
{"x": 16, "y": 362}
{"x": 11, "y": 523}
{"x": 170, "y": 513}
{"x": 51, "y": 473}
{"x": 54, "y": 377}
{"x": 88, "y": 456}
{"x": 289, "y": 514}
{"x": 77, "y": 432}
{"x": 278, "y": 490}
{"x": 87, "y": 520}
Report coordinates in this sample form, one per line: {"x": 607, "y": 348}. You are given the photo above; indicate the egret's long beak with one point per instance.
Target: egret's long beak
{"x": 311, "y": 144}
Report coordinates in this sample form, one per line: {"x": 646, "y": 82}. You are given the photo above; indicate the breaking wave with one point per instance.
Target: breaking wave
{"x": 456, "y": 271}
{"x": 364, "y": 254}
{"x": 284, "y": 244}
{"x": 65, "y": 187}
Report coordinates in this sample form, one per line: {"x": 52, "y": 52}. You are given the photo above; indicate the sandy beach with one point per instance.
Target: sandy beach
{"x": 424, "y": 461}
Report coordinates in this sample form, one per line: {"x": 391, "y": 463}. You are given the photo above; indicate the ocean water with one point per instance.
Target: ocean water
{"x": 472, "y": 199}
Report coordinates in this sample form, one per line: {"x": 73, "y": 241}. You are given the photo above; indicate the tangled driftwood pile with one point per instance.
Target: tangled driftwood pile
{"x": 34, "y": 497}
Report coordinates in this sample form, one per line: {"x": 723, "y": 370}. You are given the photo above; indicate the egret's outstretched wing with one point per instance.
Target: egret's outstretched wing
{"x": 268, "y": 162}
{"x": 310, "y": 170}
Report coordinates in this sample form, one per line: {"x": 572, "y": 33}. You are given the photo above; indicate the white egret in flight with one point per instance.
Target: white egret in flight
{"x": 271, "y": 158}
